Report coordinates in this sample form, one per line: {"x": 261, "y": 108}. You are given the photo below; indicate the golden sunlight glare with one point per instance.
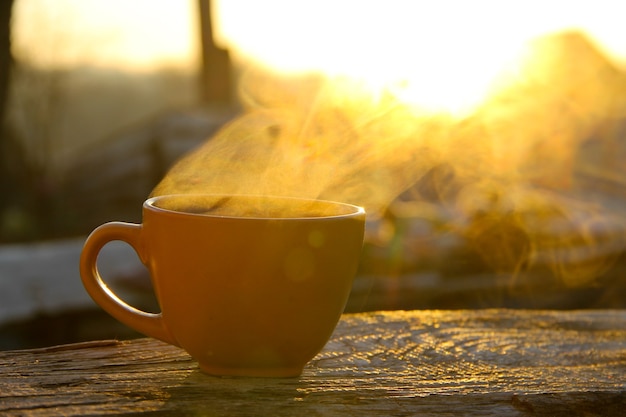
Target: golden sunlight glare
{"x": 437, "y": 56}
{"x": 443, "y": 55}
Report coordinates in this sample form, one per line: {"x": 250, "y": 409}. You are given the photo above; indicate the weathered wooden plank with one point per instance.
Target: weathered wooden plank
{"x": 479, "y": 362}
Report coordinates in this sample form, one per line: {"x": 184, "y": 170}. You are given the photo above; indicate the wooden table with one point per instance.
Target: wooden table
{"x": 471, "y": 362}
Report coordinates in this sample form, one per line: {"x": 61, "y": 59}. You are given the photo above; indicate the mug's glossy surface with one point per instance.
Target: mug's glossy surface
{"x": 250, "y": 286}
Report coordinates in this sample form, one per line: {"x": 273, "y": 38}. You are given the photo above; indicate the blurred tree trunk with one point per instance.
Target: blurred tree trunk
{"x": 216, "y": 67}
{"x": 6, "y": 59}
{"x": 6, "y": 62}
{"x": 11, "y": 155}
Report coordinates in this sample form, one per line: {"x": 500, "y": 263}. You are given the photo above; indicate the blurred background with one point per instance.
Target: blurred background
{"x": 486, "y": 140}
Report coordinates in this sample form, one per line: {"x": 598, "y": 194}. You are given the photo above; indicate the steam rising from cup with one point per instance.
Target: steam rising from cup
{"x": 507, "y": 177}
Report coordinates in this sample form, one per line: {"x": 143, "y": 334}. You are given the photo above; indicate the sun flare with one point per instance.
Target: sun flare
{"x": 438, "y": 56}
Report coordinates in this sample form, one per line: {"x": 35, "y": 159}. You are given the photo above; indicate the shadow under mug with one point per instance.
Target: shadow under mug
{"x": 247, "y": 285}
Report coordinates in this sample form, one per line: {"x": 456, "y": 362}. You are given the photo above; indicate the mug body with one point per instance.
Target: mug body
{"x": 248, "y": 288}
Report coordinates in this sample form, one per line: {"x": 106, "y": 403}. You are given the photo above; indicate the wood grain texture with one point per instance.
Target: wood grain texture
{"x": 479, "y": 362}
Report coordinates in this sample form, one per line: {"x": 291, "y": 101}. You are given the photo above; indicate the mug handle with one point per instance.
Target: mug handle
{"x": 150, "y": 324}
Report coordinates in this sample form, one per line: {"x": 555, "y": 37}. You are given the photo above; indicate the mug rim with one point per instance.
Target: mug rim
{"x": 149, "y": 204}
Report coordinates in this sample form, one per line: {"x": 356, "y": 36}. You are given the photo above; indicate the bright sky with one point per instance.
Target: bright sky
{"x": 463, "y": 42}
{"x": 137, "y": 34}
{"x": 340, "y": 33}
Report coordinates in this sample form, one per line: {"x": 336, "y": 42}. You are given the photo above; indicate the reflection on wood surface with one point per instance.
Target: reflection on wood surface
{"x": 487, "y": 362}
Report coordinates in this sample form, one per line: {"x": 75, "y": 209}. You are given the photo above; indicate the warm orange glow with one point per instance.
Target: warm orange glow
{"x": 443, "y": 55}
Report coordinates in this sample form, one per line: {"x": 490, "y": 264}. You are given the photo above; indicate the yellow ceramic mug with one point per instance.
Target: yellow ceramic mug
{"x": 248, "y": 285}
